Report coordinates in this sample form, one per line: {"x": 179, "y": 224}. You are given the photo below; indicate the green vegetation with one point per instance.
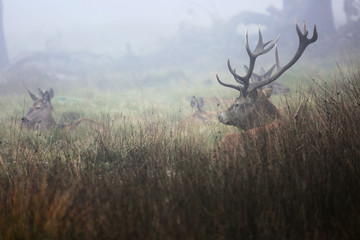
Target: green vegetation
{"x": 151, "y": 175}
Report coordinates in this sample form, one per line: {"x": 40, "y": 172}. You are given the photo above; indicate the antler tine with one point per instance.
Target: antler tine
{"x": 252, "y": 56}
{"x": 237, "y": 78}
{"x": 278, "y": 67}
{"x": 303, "y": 43}
{"x": 239, "y": 88}
{"x": 304, "y": 27}
{"x": 263, "y": 75}
{"x": 260, "y": 48}
{"x": 269, "y": 72}
{"x": 254, "y": 76}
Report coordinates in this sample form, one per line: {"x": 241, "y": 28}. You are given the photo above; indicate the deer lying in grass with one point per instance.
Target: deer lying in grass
{"x": 252, "y": 111}
{"x": 199, "y": 113}
{"x": 39, "y": 116}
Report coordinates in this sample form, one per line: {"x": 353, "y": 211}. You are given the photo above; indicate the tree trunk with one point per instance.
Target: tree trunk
{"x": 315, "y": 12}
{"x": 320, "y": 12}
{"x": 4, "y": 59}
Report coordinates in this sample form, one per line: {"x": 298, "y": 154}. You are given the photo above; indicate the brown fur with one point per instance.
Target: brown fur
{"x": 262, "y": 115}
{"x": 234, "y": 143}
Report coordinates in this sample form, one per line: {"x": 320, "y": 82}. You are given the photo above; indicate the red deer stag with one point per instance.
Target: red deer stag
{"x": 252, "y": 111}
{"x": 39, "y": 116}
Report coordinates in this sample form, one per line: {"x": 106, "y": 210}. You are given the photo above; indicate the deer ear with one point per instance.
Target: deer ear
{"x": 267, "y": 92}
{"x": 51, "y": 93}
{"x": 33, "y": 97}
{"x": 193, "y": 101}
{"x": 253, "y": 95}
{"x": 41, "y": 93}
{"x": 200, "y": 103}
{"x": 46, "y": 96}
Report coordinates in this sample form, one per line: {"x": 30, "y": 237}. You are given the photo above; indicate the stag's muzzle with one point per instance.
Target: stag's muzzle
{"x": 224, "y": 119}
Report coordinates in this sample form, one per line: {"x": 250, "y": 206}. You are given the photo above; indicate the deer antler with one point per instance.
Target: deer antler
{"x": 259, "y": 50}
{"x": 245, "y": 85}
{"x": 264, "y": 75}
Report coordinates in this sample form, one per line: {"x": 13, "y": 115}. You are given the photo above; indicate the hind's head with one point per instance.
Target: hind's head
{"x": 39, "y": 114}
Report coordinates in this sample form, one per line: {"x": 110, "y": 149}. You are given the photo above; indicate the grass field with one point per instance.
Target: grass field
{"x": 150, "y": 174}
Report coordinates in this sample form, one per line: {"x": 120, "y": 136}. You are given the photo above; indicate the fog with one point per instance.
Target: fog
{"x": 125, "y": 36}
{"x": 107, "y": 26}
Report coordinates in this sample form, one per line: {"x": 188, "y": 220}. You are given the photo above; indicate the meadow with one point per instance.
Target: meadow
{"x": 151, "y": 173}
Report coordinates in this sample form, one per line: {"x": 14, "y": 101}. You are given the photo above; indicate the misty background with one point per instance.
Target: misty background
{"x": 153, "y": 42}
{"x": 107, "y": 27}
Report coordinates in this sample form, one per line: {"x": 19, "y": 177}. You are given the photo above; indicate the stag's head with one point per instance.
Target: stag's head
{"x": 250, "y": 111}
{"x": 252, "y": 108}
{"x": 39, "y": 115}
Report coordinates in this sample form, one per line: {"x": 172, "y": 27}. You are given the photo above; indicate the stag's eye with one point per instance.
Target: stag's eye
{"x": 236, "y": 105}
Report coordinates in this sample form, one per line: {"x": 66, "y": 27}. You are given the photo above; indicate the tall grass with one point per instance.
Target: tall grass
{"x": 145, "y": 178}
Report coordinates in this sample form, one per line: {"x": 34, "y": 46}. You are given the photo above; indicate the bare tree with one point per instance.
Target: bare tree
{"x": 317, "y": 12}
{"x": 352, "y": 11}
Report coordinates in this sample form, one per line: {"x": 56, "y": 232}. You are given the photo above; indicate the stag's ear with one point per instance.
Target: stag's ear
{"x": 267, "y": 92}
{"x": 33, "y": 97}
{"x": 51, "y": 93}
{"x": 253, "y": 95}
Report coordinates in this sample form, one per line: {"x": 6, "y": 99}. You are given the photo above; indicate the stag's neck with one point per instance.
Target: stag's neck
{"x": 264, "y": 114}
